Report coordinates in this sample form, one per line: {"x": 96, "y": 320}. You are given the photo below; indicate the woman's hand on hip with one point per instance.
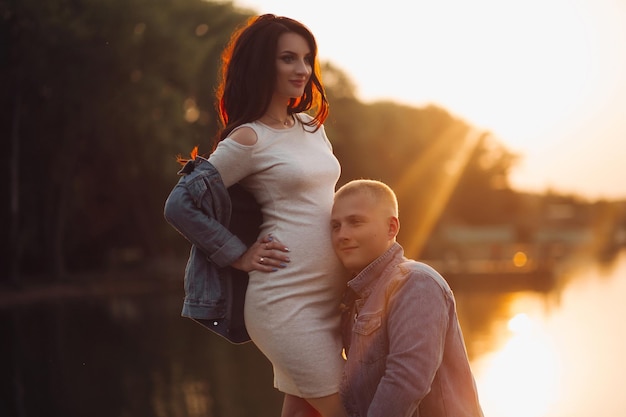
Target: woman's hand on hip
{"x": 267, "y": 254}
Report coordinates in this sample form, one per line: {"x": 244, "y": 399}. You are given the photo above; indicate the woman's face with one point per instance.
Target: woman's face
{"x": 293, "y": 65}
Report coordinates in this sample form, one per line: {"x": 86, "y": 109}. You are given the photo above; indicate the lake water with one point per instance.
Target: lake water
{"x": 537, "y": 351}
{"x": 558, "y": 353}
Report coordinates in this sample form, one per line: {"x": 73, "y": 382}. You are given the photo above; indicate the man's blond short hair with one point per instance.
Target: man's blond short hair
{"x": 379, "y": 191}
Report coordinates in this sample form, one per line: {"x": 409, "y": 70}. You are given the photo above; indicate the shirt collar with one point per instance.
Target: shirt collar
{"x": 362, "y": 283}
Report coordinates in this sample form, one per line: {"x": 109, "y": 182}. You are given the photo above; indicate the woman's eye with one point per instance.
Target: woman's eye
{"x": 287, "y": 59}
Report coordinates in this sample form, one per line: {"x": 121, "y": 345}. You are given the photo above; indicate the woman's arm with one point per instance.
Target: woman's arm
{"x": 201, "y": 228}
{"x": 222, "y": 247}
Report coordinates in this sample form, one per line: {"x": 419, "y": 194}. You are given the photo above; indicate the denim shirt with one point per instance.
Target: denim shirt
{"x": 405, "y": 351}
{"x": 200, "y": 207}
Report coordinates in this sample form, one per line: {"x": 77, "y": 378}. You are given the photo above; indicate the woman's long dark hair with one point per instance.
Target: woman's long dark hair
{"x": 248, "y": 74}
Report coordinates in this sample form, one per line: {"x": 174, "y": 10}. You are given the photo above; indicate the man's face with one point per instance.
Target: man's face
{"x": 362, "y": 230}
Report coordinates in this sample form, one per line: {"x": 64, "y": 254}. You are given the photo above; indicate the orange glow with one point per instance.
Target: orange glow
{"x": 192, "y": 113}
{"x": 544, "y": 76}
{"x": 521, "y": 379}
{"x": 441, "y": 186}
{"x": 549, "y": 351}
{"x": 520, "y": 259}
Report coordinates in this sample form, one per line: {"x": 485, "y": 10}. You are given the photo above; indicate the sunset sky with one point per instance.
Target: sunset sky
{"x": 547, "y": 77}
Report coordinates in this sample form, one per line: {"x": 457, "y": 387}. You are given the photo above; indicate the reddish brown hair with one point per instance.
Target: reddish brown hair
{"x": 248, "y": 74}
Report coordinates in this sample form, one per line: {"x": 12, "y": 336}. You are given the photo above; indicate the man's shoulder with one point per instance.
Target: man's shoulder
{"x": 417, "y": 271}
{"x": 408, "y": 266}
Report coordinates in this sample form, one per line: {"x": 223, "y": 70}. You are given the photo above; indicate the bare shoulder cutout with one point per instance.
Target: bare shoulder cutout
{"x": 244, "y": 136}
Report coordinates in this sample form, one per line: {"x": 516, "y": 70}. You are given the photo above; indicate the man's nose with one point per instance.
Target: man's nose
{"x": 340, "y": 233}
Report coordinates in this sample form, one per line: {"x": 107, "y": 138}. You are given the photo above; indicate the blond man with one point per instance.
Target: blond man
{"x": 405, "y": 350}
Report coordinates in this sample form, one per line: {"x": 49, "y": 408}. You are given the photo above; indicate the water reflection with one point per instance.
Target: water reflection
{"x": 559, "y": 353}
{"x": 537, "y": 351}
{"x": 521, "y": 377}
{"x": 126, "y": 356}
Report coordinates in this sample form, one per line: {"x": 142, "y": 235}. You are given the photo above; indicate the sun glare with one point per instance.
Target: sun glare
{"x": 543, "y": 76}
{"x": 521, "y": 379}
{"x": 520, "y": 259}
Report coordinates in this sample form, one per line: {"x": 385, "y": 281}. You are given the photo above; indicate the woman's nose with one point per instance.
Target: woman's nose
{"x": 303, "y": 67}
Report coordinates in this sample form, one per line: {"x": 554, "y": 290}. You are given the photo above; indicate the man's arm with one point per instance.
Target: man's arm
{"x": 417, "y": 322}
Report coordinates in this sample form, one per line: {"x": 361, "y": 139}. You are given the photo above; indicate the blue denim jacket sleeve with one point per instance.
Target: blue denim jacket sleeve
{"x": 199, "y": 209}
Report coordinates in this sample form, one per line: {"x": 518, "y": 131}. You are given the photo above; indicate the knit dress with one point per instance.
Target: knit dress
{"x": 292, "y": 315}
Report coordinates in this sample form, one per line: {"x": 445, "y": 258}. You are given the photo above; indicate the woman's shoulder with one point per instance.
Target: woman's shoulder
{"x": 308, "y": 121}
{"x": 310, "y": 125}
{"x": 304, "y": 117}
{"x": 244, "y": 135}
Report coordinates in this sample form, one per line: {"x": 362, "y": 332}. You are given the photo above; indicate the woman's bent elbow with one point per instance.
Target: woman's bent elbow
{"x": 173, "y": 208}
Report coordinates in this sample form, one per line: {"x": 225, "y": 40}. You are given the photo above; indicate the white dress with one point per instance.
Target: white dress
{"x": 292, "y": 315}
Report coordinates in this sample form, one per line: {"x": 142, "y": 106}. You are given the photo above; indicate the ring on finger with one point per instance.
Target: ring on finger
{"x": 262, "y": 260}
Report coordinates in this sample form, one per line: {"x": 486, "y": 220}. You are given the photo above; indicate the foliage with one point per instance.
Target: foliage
{"x": 426, "y": 156}
{"x": 483, "y": 195}
{"x": 111, "y": 91}
{"x": 101, "y": 95}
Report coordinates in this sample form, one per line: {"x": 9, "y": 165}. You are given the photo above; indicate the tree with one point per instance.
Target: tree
{"x": 483, "y": 195}
{"x": 111, "y": 91}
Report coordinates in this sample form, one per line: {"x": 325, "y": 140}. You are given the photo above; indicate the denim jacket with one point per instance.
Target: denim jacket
{"x": 405, "y": 351}
{"x": 219, "y": 223}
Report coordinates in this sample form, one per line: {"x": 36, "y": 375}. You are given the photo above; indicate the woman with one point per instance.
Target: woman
{"x": 272, "y": 106}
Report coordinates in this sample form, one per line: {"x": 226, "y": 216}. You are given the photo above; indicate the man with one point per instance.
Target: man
{"x": 405, "y": 351}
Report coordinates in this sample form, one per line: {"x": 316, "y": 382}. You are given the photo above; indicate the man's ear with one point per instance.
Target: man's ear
{"x": 394, "y": 227}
